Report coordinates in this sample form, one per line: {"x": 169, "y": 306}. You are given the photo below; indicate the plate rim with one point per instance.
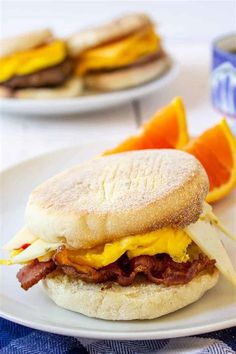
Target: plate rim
{"x": 120, "y": 335}
{"x": 83, "y": 103}
{"x": 96, "y": 333}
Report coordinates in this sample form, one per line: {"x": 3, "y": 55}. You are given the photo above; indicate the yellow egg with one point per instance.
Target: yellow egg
{"x": 27, "y": 62}
{"x": 119, "y": 53}
{"x": 167, "y": 240}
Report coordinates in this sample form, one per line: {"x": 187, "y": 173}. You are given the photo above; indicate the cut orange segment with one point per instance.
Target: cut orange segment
{"x": 216, "y": 150}
{"x": 166, "y": 129}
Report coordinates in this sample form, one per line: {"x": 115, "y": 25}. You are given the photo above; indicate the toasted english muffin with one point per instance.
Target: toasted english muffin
{"x": 24, "y": 41}
{"x": 108, "y": 32}
{"x": 118, "y": 195}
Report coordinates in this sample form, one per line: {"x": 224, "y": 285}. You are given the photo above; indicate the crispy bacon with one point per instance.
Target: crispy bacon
{"x": 160, "y": 269}
{"x": 32, "y": 273}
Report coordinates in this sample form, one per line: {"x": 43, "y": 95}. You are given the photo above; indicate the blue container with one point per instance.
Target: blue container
{"x": 223, "y": 78}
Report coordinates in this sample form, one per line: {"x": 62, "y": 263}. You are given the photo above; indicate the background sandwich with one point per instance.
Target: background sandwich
{"x": 36, "y": 65}
{"x": 121, "y": 237}
{"x": 122, "y": 53}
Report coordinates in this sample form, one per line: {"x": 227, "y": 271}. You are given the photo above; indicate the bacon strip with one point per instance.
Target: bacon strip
{"x": 32, "y": 273}
{"x": 160, "y": 269}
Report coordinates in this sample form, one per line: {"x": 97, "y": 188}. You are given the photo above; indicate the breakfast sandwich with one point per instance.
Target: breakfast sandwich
{"x": 122, "y": 237}
{"x": 123, "y": 53}
{"x": 36, "y": 65}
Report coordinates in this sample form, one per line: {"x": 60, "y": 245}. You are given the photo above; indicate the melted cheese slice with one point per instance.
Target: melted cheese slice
{"x": 24, "y": 236}
{"x": 9, "y": 261}
{"x": 208, "y": 240}
{"x": 36, "y": 250}
{"x": 208, "y": 215}
{"x": 27, "y": 62}
{"x": 119, "y": 53}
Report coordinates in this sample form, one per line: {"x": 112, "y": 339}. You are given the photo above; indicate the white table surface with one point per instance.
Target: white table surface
{"x": 23, "y": 137}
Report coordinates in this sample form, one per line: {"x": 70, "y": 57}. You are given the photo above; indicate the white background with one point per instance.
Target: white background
{"x": 177, "y": 20}
{"x": 188, "y": 29}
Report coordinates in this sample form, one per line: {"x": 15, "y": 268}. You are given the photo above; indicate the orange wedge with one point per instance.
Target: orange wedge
{"x": 216, "y": 150}
{"x": 166, "y": 129}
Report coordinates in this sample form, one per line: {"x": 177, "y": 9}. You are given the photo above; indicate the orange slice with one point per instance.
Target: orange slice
{"x": 166, "y": 129}
{"x": 216, "y": 150}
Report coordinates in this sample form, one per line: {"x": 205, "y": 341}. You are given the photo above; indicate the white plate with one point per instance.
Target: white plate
{"x": 216, "y": 310}
{"x": 86, "y": 103}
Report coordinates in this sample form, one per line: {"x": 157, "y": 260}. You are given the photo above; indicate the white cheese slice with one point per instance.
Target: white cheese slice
{"x": 221, "y": 227}
{"x": 37, "y": 249}
{"x": 208, "y": 214}
{"x": 22, "y": 237}
{"x": 207, "y": 238}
